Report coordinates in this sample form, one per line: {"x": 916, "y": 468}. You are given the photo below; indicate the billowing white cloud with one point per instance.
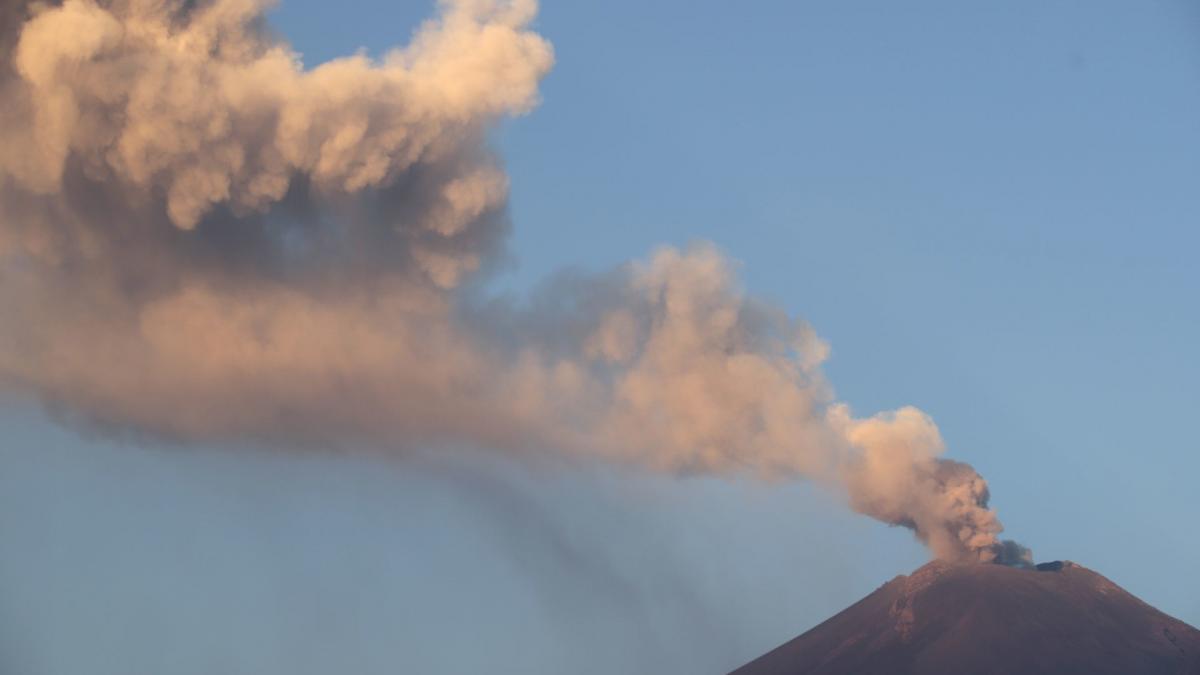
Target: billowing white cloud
{"x": 203, "y": 240}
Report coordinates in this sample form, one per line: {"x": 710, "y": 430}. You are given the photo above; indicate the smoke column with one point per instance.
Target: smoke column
{"x": 202, "y": 240}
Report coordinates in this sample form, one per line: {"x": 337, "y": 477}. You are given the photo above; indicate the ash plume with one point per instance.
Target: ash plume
{"x": 202, "y": 240}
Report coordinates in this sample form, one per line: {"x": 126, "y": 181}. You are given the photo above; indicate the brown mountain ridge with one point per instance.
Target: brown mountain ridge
{"x": 944, "y": 618}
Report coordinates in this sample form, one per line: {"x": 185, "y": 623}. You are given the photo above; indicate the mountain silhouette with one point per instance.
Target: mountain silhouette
{"x": 952, "y": 619}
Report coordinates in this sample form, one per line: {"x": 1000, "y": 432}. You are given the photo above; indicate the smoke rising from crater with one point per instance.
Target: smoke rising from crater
{"x": 203, "y": 240}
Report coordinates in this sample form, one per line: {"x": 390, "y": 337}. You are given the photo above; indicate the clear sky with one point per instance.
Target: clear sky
{"x": 988, "y": 209}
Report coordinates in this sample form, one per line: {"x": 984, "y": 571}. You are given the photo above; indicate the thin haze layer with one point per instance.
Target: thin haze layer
{"x": 203, "y": 240}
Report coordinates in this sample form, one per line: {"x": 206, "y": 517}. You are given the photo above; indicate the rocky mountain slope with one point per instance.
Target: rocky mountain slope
{"x": 1060, "y": 618}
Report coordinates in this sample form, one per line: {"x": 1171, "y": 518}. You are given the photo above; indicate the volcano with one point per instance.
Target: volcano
{"x": 947, "y": 619}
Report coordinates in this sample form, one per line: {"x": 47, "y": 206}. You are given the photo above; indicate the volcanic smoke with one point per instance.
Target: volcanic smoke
{"x": 202, "y": 240}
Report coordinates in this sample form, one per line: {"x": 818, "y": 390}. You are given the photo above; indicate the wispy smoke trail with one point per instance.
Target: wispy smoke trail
{"x": 202, "y": 240}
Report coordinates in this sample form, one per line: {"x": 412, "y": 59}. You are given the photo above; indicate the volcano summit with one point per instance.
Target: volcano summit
{"x": 947, "y": 618}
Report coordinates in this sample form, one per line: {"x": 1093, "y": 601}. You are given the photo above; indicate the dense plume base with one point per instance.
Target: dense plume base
{"x": 204, "y": 240}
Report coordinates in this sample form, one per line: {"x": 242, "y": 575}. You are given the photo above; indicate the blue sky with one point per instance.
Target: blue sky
{"x": 987, "y": 209}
